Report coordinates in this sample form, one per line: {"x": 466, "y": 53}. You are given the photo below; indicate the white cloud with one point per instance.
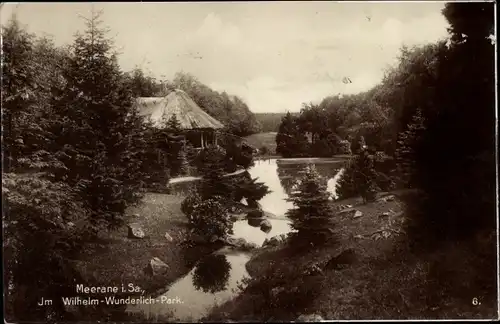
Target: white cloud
{"x": 275, "y": 55}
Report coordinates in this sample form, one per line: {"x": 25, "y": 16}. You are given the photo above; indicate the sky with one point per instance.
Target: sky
{"x": 274, "y": 55}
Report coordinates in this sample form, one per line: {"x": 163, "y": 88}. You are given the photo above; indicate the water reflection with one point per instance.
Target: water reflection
{"x": 281, "y": 175}
{"x": 212, "y": 274}
{"x": 197, "y": 302}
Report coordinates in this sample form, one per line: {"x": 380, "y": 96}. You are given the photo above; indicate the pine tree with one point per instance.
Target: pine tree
{"x": 102, "y": 144}
{"x": 173, "y": 125}
{"x": 406, "y": 153}
{"x": 312, "y": 212}
{"x": 359, "y": 178}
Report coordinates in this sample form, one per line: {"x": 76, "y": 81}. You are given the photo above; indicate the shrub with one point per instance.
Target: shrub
{"x": 211, "y": 160}
{"x": 359, "y": 178}
{"x": 312, "y": 212}
{"x": 344, "y": 147}
{"x": 190, "y": 202}
{"x": 264, "y": 150}
{"x": 209, "y": 218}
{"x": 45, "y": 225}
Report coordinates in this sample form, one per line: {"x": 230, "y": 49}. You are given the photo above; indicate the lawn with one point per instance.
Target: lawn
{"x": 385, "y": 281}
{"x": 121, "y": 260}
{"x": 263, "y": 139}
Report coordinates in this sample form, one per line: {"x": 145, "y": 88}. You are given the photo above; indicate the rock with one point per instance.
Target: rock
{"x": 168, "y": 237}
{"x": 390, "y": 198}
{"x": 214, "y": 239}
{"x": 386, "y": 214}
{"x": 275, "y": 240}
{"x": 265, "y": 226}
{"x": 157, "y": 266}
{"x": 135, "y": 215}
{"x": 248, "y": 246}
{"x": 346, "y": 211}
{"x": 357, "y": 214}
{"x": 387, "y": 198}
{"x": 135, "y": 231}
{"x": 344, "y": 258}
{"x": 309, "y": 318}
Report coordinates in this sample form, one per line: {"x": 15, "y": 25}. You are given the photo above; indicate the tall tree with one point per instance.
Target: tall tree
{"x": 100, "y": 147}
{"x": 408, "y": 149}
{"x": 456, "y": 164}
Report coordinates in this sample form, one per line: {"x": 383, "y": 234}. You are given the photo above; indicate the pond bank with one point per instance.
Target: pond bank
{"x": 191, "y": 178}
{"x": 380, "y": 280}
{"x": 119, "y": 260}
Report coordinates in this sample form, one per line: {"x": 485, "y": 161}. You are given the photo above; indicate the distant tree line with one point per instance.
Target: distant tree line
{"x": 270, "y": 122}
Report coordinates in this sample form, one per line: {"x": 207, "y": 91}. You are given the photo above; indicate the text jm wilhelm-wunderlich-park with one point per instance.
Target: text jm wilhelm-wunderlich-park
{"x": 112, "y": 300}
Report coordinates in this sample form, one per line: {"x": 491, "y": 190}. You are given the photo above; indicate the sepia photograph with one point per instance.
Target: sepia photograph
{"x": 274, "y": 161}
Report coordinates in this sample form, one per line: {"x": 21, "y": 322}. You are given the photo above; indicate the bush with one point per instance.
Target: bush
{"x": 210, "y": 218}
{"x": 211, "y": 160}
{"x": 190, "y": 202}
{"x": 359, "y": 178}
{"x": 264, "y": 150}
{"x": 45, "y": 225}
{"x": 344, "y": 147}
{"x": 312, "y": 212}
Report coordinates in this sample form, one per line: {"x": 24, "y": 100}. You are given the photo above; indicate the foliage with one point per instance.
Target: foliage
{"x": 101, "y": 145}
{"x": 238, "y": 155}
{"x": 210, "y": 218}
{"x": 264, "y": 150}
{"x": 249, "y": 188}
{"x": 142, "y": 85}
{"x": 211, "y": 160}
{"x": 45, "y": 223}
{"x": 290, "y": 141}
{"x": 190, "y": 202}
{"x": 232, "y": 111}
{"x": 359, "y": 178}
{"x": 312, "y": 212}
{"x": 344, "y": 147}
{"x": 270, "y": 121}
{"x": 211, "y": 275}
{"x": 455, "y": 169}
{"x": 407, "y": 152}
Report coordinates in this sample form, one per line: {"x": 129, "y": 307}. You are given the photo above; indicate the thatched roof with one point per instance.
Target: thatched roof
{"x": 188, "y": 113}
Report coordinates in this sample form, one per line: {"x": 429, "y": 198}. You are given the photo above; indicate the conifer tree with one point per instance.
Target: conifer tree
{"x": 312, "y": 212}
{"x": 173, "y": 125}
{"x": 406, "y": 153}
{"x": 103, "y": 141}
{"x": 359, "y": 178}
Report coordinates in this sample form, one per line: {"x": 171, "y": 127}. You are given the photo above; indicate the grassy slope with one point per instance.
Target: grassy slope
{"x": 384, "y": 283}
{"x": 121, "y": 260}
{"x": 260, "y": 139}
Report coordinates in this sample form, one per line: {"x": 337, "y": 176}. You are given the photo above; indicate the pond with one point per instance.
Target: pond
{"x": 215, "y": 279}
